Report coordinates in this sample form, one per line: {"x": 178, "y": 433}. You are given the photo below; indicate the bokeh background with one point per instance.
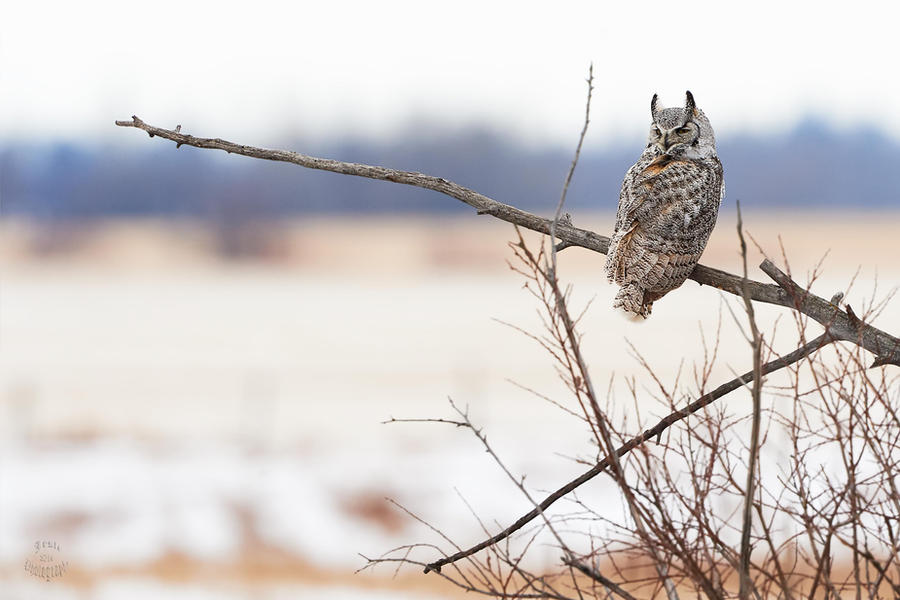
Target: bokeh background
{"x": 197, "y": 350}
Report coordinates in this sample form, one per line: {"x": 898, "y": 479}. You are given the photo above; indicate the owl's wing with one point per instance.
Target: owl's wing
{"x": 667, "y": 209}
{"x": 628, "y": 202}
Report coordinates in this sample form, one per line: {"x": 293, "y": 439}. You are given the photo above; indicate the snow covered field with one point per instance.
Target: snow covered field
{"x": 190, "y": 428}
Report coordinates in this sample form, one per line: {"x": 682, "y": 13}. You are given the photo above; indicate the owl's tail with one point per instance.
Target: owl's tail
{"x": 630, "y": 298}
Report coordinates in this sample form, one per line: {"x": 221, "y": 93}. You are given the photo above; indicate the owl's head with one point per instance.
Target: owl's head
{"x": 681, "y": 132}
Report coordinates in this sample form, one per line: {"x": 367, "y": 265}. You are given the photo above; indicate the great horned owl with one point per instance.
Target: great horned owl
{"x": 667, "y": 208}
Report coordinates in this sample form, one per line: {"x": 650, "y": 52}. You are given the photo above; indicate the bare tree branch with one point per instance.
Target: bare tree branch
{"x": 842, "y": 325}
{"x": 839, "y": 325}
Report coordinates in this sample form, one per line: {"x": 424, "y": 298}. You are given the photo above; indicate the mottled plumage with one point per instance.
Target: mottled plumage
{"x": 667, "y": 208}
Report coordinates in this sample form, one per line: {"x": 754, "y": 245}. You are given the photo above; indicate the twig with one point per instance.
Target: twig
{"x": 562, "y": 197}
{"x": 884, "y": 346}
{"x": 597, "y": 576}
{"x": 518, "y": 482}
{"x": 746, "y": 584}
{"x": 447, "y": 421}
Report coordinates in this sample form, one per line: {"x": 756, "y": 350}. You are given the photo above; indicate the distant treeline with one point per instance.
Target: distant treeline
{"x": 811, "y": 166}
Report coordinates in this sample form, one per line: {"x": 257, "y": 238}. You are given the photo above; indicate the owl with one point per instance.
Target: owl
{"x": 667, "y": 208}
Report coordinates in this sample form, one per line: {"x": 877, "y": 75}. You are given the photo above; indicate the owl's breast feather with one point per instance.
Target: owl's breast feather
{"x": 658, "y": 165}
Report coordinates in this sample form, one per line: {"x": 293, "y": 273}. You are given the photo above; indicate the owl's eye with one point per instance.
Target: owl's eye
{"x": 683, "y": 130}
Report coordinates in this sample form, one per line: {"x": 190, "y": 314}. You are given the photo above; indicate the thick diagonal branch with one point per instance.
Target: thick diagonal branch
{"x": 842, "y": 325}
{"x": 480, "y": 202}
{"x": 636, "y": 441}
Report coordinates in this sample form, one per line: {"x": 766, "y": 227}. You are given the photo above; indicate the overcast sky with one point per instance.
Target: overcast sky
{"x": 259, "y": 71}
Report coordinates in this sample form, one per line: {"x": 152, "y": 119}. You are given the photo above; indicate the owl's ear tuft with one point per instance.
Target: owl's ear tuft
{"x": 690, "y": 107}
{"x": 653, "y": 106}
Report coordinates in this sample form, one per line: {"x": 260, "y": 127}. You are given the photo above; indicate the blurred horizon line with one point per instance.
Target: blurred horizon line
{"x": 812, "y": 164}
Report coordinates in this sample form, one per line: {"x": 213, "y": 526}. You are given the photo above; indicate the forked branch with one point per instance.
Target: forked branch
{"x": 839, "y": 325}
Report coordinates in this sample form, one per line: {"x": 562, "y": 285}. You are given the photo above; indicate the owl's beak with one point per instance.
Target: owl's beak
{"x": 664, "y": 146}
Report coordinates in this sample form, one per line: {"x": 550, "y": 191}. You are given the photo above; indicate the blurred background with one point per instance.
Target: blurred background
{"x": 197, "y": 350}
